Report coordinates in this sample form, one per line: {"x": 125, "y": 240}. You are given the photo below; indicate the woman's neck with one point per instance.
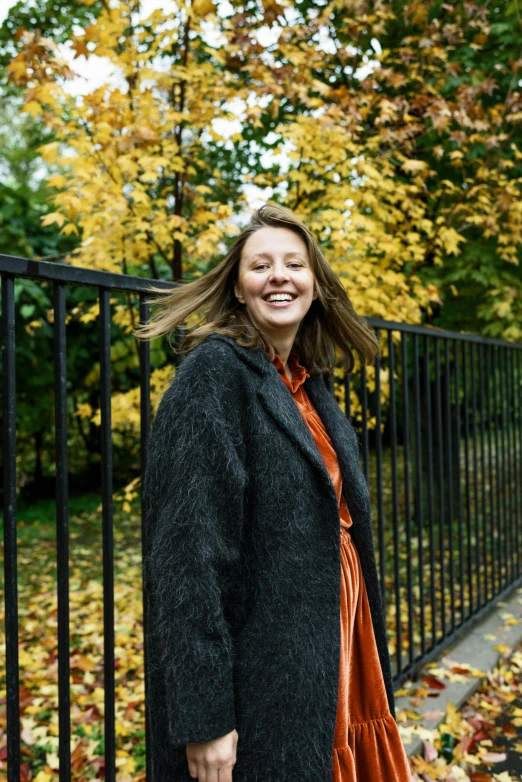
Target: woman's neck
{"x": 283, "y": 348}
{"x": 284, "y": 360}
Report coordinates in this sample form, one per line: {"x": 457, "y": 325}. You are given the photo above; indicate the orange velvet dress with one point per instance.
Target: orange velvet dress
{"x": 367, "y": 743}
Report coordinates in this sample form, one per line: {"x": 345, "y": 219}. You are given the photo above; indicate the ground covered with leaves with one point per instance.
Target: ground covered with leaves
{"x": 482, "y": 742}
{"x": 38, "y": 647}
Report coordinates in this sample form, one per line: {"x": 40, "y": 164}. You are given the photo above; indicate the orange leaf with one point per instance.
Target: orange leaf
{"x": 509, "y": 729}
{"x": 433, "y": 682}
{"x": 84, "y": 663}
{"x": 468, "y": 744}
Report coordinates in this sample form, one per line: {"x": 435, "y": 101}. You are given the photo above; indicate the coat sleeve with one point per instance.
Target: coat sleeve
{"x": 193, "y": 510}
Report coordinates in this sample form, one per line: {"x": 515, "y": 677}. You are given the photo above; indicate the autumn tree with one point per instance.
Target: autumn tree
{"x": 391, "y": 129}
{"x": 400, "y": 140}
{"x": 453, "y": 81}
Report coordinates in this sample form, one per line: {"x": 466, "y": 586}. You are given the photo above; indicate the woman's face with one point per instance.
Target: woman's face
{"x": 275, "y": 261}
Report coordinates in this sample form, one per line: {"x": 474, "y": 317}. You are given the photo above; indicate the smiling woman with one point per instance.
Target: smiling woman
{"x": 265, "y": 637}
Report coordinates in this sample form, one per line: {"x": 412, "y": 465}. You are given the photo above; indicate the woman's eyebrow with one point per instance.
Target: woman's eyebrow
{"x": 267, "y": 255}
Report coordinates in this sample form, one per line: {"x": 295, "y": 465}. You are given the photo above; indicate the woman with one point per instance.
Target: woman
{"x": 265, "y": 640}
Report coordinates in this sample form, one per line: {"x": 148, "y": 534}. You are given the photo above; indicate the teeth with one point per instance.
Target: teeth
{"x": 279, "y": 297}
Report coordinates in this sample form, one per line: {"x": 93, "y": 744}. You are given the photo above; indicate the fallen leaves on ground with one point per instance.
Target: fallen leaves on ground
{"x": 476, "y": 744}
{"x": 482, "y": 741}
{"x": 38, "y": 656}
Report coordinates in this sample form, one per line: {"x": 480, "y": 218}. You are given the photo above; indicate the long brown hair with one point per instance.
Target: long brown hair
{"x": 330, "y": 326}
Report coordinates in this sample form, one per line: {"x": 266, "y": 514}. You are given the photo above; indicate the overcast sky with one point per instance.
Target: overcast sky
{"x": 5, "y": 5}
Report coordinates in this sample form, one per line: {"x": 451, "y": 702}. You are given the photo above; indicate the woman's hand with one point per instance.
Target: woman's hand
{"x": 213, "y": 760}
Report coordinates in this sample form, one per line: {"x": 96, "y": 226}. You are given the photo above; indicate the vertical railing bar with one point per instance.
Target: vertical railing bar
{"x": 330, "y": 381}
{"x": 347, "y": 397}
{"x": 429, "y": 448}
{"x": 449, "y": 460}
{"x": 419, "y": 507}
{"x": 460, "y": 509}
{"x": 505, "y": 481}
{"x": 378, "y": 464}
{"x": 509, "y": 459}
{"x": 485, "y": 521}
{"x": 407, "y": 499}
{"x": 10, "y": 542}
{"x": 365, "y": 433}
{"x": 499, "y": 519}
{"x": 508, "y": 462}
{"x": 518, "y": 407}
{"x": 473, "y": 357}
{"x": 145, "y": 421}
{"x": 107, "y": 534}
{"x": 467, "y": 474}
{"x": 514, "y": 462}
{"x": 495, "y": 543}
{"x": 440, "y": 470}
{"x": 62, "y": 532}
{"x": 395, "y": 500}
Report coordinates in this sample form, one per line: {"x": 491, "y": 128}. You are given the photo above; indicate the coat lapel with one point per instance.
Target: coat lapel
{"x": 277, "y": 400}
{"x": 344, "y": 441}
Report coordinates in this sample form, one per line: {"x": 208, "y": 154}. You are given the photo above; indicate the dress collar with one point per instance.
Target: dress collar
{"x": 299, "y": 372}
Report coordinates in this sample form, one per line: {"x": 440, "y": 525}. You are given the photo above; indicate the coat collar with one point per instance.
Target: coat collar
{"x": 277, "y": 400}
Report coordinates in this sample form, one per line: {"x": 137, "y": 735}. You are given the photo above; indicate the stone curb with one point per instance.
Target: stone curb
{"x": 472, "y": 649}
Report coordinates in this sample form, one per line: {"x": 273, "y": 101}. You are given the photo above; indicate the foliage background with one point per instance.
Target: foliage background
{"x": 392, "y": 129}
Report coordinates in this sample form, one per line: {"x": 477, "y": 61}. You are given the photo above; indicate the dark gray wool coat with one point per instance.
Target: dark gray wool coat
{"x": 243, "y": 568}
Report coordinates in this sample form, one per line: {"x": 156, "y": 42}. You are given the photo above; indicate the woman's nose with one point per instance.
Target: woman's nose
{"x": 279, "y": 272}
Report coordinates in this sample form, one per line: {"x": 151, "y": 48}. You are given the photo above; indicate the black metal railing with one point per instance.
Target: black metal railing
{"x": 443, "y": 456}
{"x": 61, "y": 275}
{"x": 440, "y": 426}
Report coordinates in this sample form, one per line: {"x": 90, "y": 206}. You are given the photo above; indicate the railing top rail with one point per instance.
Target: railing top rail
{"x": 433, "y": 331}
{"x": 79, "y": 275}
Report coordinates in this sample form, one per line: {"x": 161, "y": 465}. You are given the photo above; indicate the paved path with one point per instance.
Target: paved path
{"x": 502, "y": 626}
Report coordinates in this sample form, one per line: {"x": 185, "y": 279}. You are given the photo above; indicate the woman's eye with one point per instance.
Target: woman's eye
{"x": 264, "y": 265}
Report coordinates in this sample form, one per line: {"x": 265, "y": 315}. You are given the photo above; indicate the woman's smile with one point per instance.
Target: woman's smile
{"x": 280, "y": 300}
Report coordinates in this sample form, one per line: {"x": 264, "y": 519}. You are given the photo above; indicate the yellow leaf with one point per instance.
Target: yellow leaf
{"x": 69, "y": 229}
{"x": 33, "y": 108}
{"x": 450, "y": 239}
{"x": 203, "y": 7}
{"x": 58, "y": 180}
{"x": 414, "y": 166}
{"x": 53, "y": 217}
{"x": 52, "y": 760}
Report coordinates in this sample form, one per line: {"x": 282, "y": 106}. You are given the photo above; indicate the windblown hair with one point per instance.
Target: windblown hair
{"x": 331, "y": 324}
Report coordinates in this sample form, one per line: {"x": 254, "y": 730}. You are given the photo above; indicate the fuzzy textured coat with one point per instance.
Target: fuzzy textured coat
{"x": 242, "y": 568}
